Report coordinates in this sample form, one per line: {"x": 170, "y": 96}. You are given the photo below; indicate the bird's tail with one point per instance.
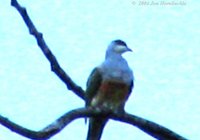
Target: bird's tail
{"x": 96, "y": 126}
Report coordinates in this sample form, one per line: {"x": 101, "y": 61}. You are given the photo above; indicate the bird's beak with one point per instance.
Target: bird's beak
{"x": 129, "y": 50}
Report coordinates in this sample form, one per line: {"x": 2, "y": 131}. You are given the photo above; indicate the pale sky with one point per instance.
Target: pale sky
{"x": 165, "y": 61}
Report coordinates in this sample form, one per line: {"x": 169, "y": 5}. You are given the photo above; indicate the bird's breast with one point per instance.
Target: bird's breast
{"x": 111, "y": 95}
{"x": 116, "y": 71}
{"x": 118, "y": 75}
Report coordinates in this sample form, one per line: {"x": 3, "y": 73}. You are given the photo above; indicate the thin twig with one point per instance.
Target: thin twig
{"x": 55, "y": 67}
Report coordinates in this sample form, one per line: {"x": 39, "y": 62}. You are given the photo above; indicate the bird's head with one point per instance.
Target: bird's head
{"x": 117, "y": 47}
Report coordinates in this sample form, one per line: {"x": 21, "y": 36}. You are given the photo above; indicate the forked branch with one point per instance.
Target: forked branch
{"x": 151, "y": 128}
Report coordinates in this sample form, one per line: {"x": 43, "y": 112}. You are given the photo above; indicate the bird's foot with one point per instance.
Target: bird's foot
{"x": 119, "y": 111}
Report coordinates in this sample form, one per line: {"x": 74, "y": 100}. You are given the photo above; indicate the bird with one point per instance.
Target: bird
{"x": 109, "y": 86}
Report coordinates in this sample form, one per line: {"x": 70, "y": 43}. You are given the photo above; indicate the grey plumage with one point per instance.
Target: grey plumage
{"x": 113, "y": 72}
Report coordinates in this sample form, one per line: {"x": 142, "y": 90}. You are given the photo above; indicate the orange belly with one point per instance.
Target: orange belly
{"x": 112, "y": 95}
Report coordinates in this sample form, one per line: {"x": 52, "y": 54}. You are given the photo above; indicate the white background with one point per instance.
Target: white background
{"x": 166, "y": 62}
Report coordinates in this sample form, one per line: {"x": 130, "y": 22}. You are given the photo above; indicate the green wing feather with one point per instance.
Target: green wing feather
{"x": 96, "y": 125}
{"x": 93, "y": 84}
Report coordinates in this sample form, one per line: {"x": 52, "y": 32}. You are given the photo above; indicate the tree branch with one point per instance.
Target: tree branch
{"x": 149, "y": 127}
{"x": 55, "y": 67}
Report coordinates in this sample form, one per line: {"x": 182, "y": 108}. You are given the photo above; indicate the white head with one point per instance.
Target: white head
{"x": 117, "y": 47}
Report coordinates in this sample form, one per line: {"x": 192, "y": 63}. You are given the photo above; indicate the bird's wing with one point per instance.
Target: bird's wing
{"x": 96, "y": 125}
{"x": 131, "y": 87}
{"x": 93, "y": 84}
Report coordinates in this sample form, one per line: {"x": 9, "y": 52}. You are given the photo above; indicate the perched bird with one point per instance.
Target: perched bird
{"x": 109, "y": 86}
